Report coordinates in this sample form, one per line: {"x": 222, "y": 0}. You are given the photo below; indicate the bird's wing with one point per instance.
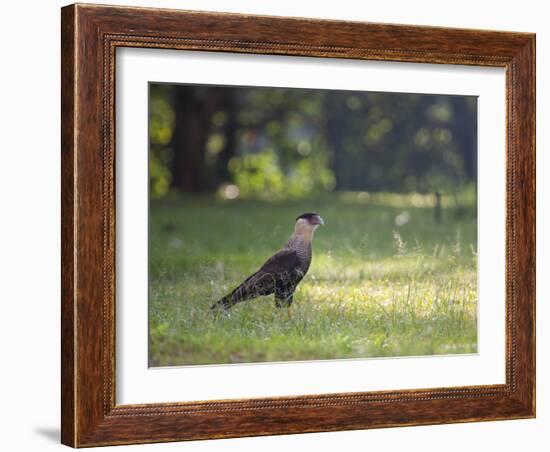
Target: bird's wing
{"x": 285, "y": 260}
{"x": 263, "y": 281}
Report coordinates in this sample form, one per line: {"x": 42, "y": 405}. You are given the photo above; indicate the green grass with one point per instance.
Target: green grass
{"x": 374, "y": 288}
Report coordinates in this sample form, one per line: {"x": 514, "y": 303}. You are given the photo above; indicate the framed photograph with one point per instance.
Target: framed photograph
{"x": 281, "y": 225}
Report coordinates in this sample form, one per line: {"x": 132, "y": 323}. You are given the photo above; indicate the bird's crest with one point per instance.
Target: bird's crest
{"x": 307, "y": 216}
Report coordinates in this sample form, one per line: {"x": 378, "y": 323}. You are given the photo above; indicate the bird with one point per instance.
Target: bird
{"x": 282, "y": 272}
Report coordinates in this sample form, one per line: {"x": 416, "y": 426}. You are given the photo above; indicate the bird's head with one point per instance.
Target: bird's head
{"x": 307, "y": 223}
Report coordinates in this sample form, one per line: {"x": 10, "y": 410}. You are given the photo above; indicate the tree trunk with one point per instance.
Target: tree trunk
{"x": 230, "y": 131}
{"x": 335, "y": 123}
{"x": 464, "y": 130}
{"x": 193, "y": 109}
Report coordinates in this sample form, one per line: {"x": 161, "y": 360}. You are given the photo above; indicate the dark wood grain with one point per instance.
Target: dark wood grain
{"x": 68, "y": 310}
{"x": 90, "y": 36}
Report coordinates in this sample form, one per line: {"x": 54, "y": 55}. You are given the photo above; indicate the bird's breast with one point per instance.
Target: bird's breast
{"x": 302, "y": 248}
{"x": 304, "y": 255}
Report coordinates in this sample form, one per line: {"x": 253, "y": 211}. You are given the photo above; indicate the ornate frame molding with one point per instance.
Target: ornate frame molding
{"x": 90, "y": 37}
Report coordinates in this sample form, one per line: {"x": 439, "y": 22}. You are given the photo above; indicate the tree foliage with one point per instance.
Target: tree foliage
{"x": 286, "y": 143}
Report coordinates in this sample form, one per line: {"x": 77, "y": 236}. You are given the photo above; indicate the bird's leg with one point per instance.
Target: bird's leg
{"x": 283, "y": 299}
{"x": 287, "y": 303}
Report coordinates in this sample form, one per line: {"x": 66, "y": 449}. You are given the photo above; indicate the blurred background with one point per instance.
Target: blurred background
{"x": 279, "y": 143}
{"x": 394, "y": 271}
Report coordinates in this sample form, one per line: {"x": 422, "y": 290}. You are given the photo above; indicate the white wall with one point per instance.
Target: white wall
{"x": 29, "y": 224}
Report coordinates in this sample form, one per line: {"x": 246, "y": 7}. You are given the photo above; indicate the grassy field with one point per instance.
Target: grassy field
{"x": 386, "y": 280}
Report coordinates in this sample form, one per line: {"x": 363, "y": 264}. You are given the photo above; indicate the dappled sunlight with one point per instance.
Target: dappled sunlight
{"x": 393, "y": 176}
{"x": 372, "y": 291}
{"x": 353, "y": 268}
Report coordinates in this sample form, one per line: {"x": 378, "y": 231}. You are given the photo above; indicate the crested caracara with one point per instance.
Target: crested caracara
{"x": 282, "y": 272}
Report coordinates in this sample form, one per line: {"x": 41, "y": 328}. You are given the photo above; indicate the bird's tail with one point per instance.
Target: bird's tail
{"x": 244, "y": 292}
{"x": 241, "y": 293}
{"x": 225, "y": 303}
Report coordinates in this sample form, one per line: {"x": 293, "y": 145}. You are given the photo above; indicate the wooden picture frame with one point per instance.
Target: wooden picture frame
{"x": 90, "y": 36}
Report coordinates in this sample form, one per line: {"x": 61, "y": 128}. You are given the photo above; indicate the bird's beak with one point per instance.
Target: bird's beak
{"x": 319, "y": 220}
